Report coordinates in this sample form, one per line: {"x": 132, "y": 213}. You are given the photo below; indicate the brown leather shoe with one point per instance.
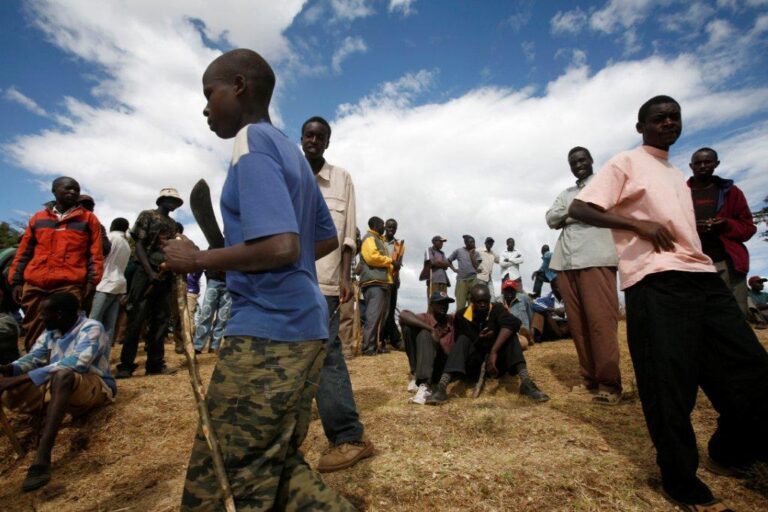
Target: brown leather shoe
{"x": 344, "y": 455}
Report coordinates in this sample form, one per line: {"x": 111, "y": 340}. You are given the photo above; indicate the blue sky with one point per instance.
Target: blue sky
{"x": 454, "y": 117}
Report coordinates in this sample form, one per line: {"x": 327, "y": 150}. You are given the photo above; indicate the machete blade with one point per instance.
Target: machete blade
{"x": 202, "y": 209}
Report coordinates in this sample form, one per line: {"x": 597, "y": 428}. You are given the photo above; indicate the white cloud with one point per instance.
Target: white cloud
{"x": 568, "y": 22}
{"x": 348, "y": 46}
{"x": 690, "y": 20}
{"x": 16, "y": 96}
{"x": 521, "y": 16}
{"x": 621, "y": 14}
{"x": 529, "y": 50}
{"x": 491, "y": 161}
{"x": 146, "y": 130}
{"x": 404, "y": 7}
{"x": 348, "y": 10}
{"x": 398, "y": 94}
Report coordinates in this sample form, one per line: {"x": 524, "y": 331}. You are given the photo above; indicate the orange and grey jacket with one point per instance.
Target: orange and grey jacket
{"x": 374, "y": 260}
{"x": 57, "y": 252}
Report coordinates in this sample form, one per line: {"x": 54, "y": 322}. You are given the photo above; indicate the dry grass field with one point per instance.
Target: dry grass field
{"x": 496, "y": 452}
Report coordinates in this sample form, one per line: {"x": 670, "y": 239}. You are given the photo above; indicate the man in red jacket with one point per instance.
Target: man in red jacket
{"x": 59, "y": 252}
{"x": 723, "y": 221}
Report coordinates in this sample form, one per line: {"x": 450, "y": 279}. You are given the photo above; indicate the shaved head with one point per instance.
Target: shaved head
{"x": 250, "y": 65}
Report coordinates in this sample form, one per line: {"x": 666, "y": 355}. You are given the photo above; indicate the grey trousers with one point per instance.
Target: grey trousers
{"x": 376, "y": 309}
{"x": 736, "y": 281}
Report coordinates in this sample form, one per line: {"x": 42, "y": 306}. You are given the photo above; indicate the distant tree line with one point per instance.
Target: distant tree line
{"x": 761, "y": 216}
{"x": 10, "y": 234}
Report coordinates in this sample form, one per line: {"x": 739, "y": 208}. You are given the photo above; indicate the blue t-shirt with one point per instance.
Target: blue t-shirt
{"x": 270, "y": 189}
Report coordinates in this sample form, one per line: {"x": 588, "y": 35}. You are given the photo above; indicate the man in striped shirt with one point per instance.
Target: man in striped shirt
{"x": 72, "y": 358}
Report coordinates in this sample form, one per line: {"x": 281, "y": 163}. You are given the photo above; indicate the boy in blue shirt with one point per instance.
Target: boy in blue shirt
{"x": 276, "y": 224}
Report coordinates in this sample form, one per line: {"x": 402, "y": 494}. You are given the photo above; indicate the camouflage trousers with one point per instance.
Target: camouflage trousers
{"x": 260, "y": 399}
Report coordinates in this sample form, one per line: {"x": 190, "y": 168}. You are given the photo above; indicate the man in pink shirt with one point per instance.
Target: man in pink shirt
{"x": 684, "y": 327}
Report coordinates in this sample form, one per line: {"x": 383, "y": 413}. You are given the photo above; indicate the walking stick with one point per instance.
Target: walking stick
{"x": 197, "y": 388}
{"x": 357, "y": 334}
{"x": 481, "y": 380}
{"x": 10, "y": 433}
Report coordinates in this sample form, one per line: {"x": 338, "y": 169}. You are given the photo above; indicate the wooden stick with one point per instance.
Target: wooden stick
{"x": 10, "y": 433}
{"x": 357, "y": 330}
{"x": 481, "y": 380}
{"x": 197, "y": 389}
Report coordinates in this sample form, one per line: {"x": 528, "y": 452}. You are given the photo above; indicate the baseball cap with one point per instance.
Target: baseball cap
{"x": 440, "y": 297}
{"x": 438, "y": 237}
{"x": 757, "y": 279}
{"x": 510, "y": 283}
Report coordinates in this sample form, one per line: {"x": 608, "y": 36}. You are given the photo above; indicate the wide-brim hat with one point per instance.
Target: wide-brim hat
{"x": 170, "y": 192}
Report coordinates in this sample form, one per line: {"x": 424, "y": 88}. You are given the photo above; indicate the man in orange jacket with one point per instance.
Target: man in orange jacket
{"x": 59, "y": 252}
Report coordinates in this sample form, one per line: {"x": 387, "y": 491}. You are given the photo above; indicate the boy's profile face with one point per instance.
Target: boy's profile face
{"x": 223, "y": 108}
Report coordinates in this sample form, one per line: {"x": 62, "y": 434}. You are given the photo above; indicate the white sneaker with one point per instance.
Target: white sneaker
{"x": 421, "y": 395}
{"x": 412, "y": 387}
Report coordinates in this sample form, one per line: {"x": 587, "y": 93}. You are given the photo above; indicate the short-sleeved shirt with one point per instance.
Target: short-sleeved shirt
{"x": 339, "y": 193}
{"x": 758, "y": 298}
{"x": 466, "y": 270}
{"x": 152, "y": 229}
{"x": 445, "y": 332}
{"x": 270, "y": 190}
{"x": 439, "y": 275}
{"x": 642, "y": 184}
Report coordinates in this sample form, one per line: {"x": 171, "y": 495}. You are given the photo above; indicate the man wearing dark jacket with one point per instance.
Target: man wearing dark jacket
{"x": 723, "y": 221}
{"x": 485, "y": 334}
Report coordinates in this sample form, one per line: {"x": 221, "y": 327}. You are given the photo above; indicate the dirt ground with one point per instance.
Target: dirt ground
{"x": 496, "y": 452}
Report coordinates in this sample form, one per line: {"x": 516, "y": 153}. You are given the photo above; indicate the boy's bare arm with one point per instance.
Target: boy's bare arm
{"x": 267, "y": 253}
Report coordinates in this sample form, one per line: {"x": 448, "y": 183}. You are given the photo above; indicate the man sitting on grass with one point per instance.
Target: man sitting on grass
{"x": 428, "y": 340}
{"x": 72, "y": 357}
{"x": 485, "y": 334}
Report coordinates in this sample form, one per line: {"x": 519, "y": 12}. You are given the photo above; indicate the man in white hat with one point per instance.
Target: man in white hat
{"x": 150, "y": 287}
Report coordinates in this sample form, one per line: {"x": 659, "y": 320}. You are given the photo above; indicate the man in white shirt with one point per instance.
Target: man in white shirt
{"x": 510, "y": 261}
{"x": 335, "y": 400}
{"x": 106, "y": 301}
{"x": 485, "y": 269}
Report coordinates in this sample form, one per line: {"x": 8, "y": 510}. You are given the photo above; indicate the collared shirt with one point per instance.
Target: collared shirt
{"x": 270, "y": 190}
{"x": 114, "y": 266}
{"x": 466, "y": 270}
{"x": 485, "y": 268}
{"x": 641, "y": 184}
{"x": 339, "y": 193}
{"x": 152, "y": 229}
{"x": 547, "y": 302}
{"x": 439, "y": 275}
{"x": 396, "y": 251}
{"x": 445, "y": 332}
{"x": 758, "y": 298}
{"x": 83, "y": 349}
{"x": 510, "y": 262}
{"x": 579, "y": 245}
{"x": 522, "y": 309}
{"x": 544, "y": 268}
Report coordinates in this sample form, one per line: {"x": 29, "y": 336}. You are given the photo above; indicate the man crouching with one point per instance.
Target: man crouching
{"x": 72, "y": 355}
{"x": 485, "y": 332}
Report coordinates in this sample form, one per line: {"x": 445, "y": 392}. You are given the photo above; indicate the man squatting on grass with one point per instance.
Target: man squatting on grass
{"x": 276, "y": 224}
{"x": 684, "y": 326}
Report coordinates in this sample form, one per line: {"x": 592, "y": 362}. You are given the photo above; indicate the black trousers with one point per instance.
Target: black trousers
{"x": 390, "y": 331}
{"x": 425, "y": 357}
{"x": 686, "y": 330}
{"x": 468, "y": 354}
{"x": 147, "y": 301}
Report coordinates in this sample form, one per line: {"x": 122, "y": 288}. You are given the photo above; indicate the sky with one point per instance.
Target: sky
{"x": 454, "y": 117}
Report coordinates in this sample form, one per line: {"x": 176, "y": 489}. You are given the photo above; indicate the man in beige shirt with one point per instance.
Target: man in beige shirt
{"x": 335, "y": 401}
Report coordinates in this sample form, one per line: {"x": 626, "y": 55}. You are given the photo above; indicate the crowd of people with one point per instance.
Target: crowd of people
{"x": 297, "y": 290}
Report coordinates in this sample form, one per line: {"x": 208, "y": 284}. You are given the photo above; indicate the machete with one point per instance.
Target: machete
{"x": 202, "y": 209}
